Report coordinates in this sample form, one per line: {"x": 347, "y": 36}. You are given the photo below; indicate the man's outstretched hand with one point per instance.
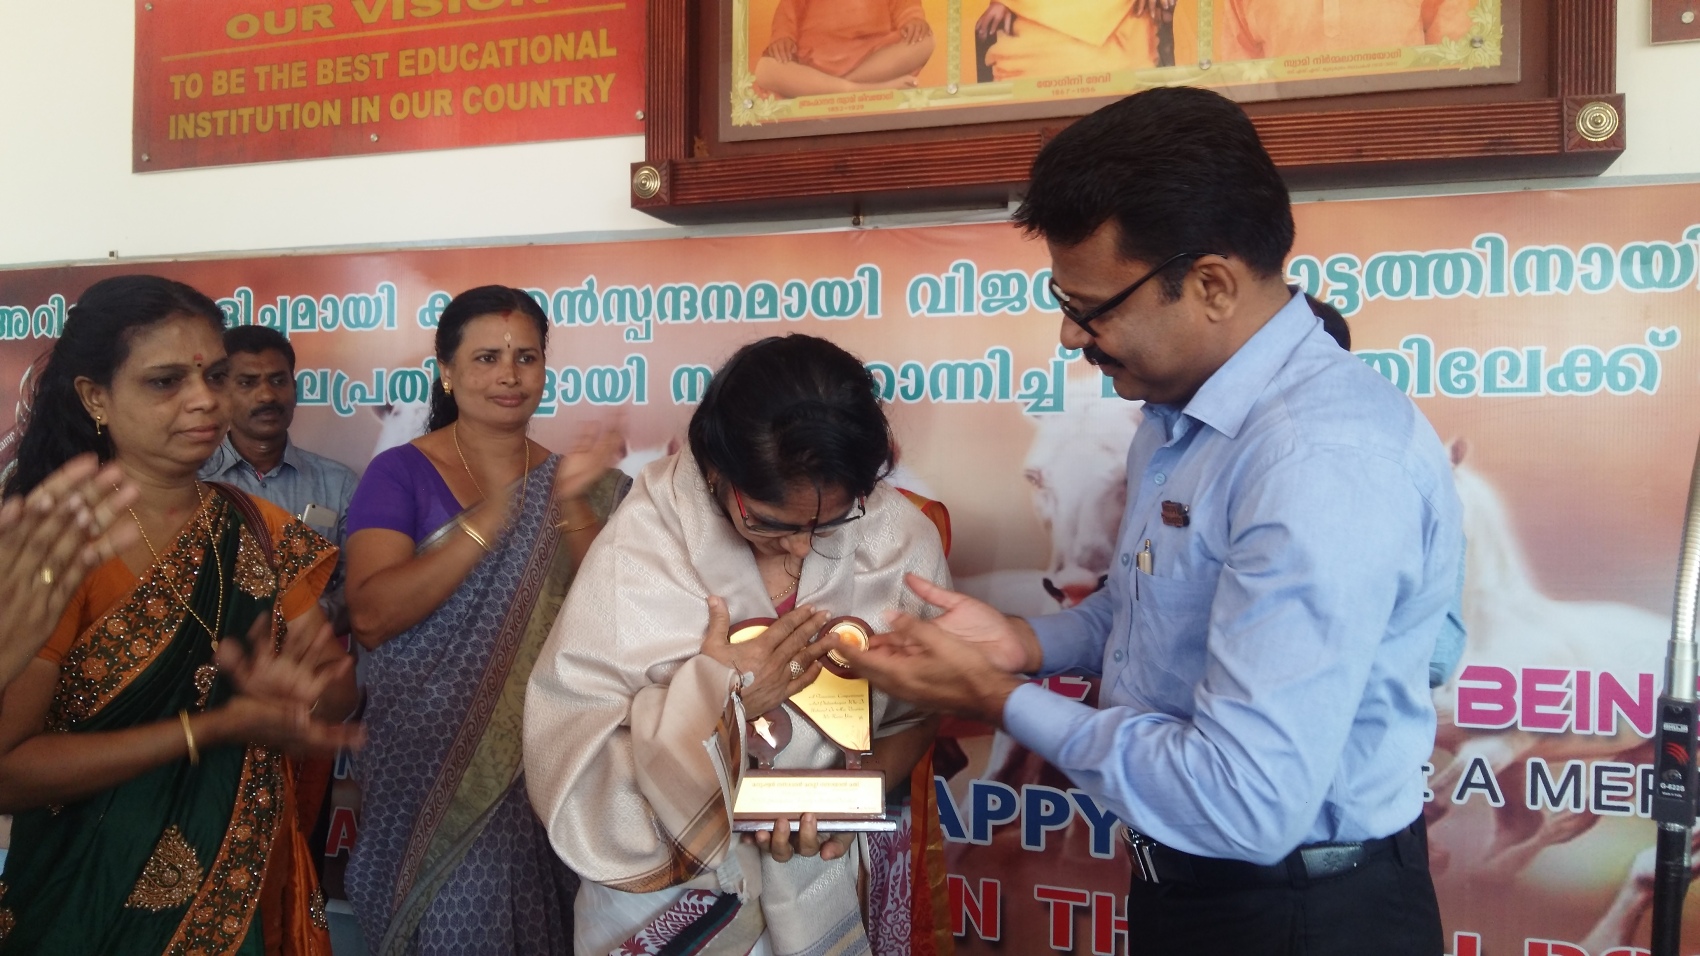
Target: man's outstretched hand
{"x": 1007, "y": 642}
{"x": 965, "y": 661}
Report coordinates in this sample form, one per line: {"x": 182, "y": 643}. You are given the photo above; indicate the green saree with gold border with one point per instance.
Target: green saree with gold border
{"x": 179, "y": 858}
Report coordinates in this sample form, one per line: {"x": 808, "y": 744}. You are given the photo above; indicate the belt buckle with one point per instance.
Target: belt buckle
{"x": 1324, "y": 860}
{"x": 1140, "y": 849}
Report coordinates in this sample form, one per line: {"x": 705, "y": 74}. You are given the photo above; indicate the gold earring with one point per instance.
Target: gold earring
{"x": 448, "y": 389}
{"x": 98, "y": 422}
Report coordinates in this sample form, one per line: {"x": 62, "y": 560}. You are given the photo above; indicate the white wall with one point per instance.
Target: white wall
{"x": 67, "y": 193}
{"x": 1660, "y": 84}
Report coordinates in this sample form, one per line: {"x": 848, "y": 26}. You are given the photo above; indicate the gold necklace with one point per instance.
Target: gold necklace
{"x": 206, "y": 673}
{"x": 524, "y": 475}
{"x": 776, "y": 598}
{"x": 455, "y": 434}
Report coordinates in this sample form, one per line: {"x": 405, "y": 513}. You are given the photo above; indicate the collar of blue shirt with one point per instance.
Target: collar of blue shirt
{"x": 1226, "y": 398}
{"x": 227, "y": 457}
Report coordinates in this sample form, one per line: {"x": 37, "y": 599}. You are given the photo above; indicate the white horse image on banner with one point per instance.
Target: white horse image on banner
{"x": 1077, "y": 467}
{"x": 1511, "y": 623}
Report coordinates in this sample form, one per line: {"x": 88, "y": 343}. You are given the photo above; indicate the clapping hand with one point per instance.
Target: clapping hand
{"x": 278, "y": 688}
{"x": 584, "y": 464}
{"x": 49, "y": 540}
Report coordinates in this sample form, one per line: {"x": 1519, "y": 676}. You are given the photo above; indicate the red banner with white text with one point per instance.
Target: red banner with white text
{"x": 261, "y": 80}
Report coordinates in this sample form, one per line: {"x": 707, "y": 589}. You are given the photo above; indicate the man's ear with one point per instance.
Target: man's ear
{"x": 1218, "y": 284}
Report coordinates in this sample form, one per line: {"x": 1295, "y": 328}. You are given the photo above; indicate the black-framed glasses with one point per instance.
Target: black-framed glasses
{"x": 763, "y": 528}
{"x": 1085, "y": 319}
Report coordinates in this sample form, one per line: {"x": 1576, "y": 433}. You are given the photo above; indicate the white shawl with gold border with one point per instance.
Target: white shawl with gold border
{"x": 621, "y": 702}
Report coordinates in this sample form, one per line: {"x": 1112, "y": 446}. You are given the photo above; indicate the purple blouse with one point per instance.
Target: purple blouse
{"x": 402, "y": 491}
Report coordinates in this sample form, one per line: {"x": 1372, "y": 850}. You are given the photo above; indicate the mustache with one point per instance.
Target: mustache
{"x": 259, "y": 410}
{"x": 1097, "y": 356}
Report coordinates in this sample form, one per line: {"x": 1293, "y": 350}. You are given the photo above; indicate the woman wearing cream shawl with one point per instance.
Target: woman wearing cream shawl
{"x": 627, "y": 689}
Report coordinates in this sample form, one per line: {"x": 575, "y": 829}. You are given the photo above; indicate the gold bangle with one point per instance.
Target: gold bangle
{"x": 475, "y": 536}
{"x": 579, "y": 528}
{"x": 189, "y": 736}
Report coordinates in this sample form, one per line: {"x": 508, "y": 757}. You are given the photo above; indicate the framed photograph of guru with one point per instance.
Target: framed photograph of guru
{"x": 810, "y": 67}
{"x": 784, "y": 108}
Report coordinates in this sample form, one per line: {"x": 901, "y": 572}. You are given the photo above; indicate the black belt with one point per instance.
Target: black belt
{"x": 1155, "y": 863}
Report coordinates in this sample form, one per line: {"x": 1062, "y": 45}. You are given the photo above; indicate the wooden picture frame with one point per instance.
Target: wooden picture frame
{"x": 1563, "y": 116}
{"x": 956, "y": 83}
{"x": 1675, "y": 21}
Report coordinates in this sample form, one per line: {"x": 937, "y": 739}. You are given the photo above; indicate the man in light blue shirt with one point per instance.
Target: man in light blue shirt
{"x": 1287, "y": 559}
{"x": 258, "y": 457}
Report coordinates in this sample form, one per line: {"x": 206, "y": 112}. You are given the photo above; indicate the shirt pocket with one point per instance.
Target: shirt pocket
{"x": 1172, "y": 626}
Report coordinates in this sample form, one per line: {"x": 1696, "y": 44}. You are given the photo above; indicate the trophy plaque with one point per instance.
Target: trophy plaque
{"x": 837, "y": 705}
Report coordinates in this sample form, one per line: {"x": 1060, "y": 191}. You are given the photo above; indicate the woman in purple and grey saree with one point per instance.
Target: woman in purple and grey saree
{"x": 776, "y": 511}
{"x": 462, "y": 545}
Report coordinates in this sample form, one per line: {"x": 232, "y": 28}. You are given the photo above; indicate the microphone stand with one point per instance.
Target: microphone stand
{"x": 1674, "y": 781}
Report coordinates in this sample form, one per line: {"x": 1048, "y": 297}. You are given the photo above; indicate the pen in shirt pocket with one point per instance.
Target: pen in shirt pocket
{"x": 1143, "y": 560}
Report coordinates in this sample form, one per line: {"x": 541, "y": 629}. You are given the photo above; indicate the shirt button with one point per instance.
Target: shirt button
{"x": 1160, "y": 478}
{"x": 1118, "y": 656}
{"x": 1126, "y": 560}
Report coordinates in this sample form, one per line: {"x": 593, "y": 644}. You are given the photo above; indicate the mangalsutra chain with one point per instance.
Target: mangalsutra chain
{"x": 206, "y": 673}
{"x": 455, "y": 434}
{"x": 525, "y": 470}
{"x": 524, "y": 474}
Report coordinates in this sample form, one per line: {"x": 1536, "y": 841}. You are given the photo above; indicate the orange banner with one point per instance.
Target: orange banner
{"x": 263, "y": 80}
{"x": 1549, "y": 336}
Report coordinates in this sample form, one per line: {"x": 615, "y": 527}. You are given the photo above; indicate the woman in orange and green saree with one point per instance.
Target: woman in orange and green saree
{"x": 145, "y": 751}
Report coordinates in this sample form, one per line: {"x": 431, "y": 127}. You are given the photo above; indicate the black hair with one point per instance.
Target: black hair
{"x": 95, "y": 342}
{"x": 793, "y": 409}
{"x": 257, "y": 340}
{"x": 451, "y": 325}
{"x": 1180, "y": 169}
{"x": 1332, "y": 321}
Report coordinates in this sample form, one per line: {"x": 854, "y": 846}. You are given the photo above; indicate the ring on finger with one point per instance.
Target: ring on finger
{"x": 47, "y": 578}
{"x": 796, "y": 669}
